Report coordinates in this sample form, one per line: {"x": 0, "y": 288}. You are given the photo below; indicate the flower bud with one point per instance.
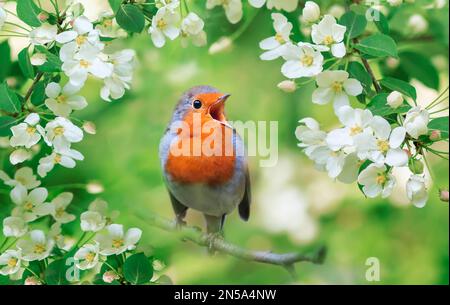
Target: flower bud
{"x": 415, "y": 166}
{"x": 94, "y": 188}
{"x": 89, "y": 127}
{"x": 395, "y": 99}
{"x": 443, "y": 195}
{"x": 287, "y": 86}
{"x": 311, "y": 12}
{"x": 221, "y": 45}
{"x": 395, "y": 2}
{"x": 336, "y": 11}
{"x": 32, "y": 280}
{"x": 392, "y": 63}
{"x": 38, "y": 59}
{"x": 43, "y": 16}
{"x": 435, "y": 135}
{"x": 110, "y": 276}
{"x": 417, "y": 23}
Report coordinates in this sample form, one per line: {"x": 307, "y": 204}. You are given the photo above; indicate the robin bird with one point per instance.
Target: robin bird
{"x": 211, "y": 183}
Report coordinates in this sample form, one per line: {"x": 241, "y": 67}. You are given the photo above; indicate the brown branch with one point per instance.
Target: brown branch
{"x": 37, "y": 78}
{"x": 286, "y": 260}
{"x": 372, "y": 76}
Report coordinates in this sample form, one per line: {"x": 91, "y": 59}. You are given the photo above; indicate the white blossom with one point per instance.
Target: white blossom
{"x": 115, "y": 85}
{"x": 38, "y": 59}
{"x": 63, "y": 101}
{"x": 82, "y": 34}
{"x": 302, "y": 60}
{"x": 417, "y": 24}
{"x": 275, "y": 45}
{"x": 335, "y": 87}
{"x": 14, "y": 227}
{"x": 416, "y": 190}
{"x": 23, "y": 176}
{"x": 59, "y": 205}
{"x": 386, "y": 143}
{"x": 20, "y": 155}
{"x": 92, "y": 221}
{"x": 330, "y": 34}
{"x": 115, "y": 241}
{"x": 164, "y": 24}
{"x": 65, "y": 157}
{"x": 61, "y": 132}
{"x": 416, "y": 122}
{"x": 287, "y": 5}
{"x": 30, "y": 206}
{"x": 44, "y": 34}
{"x": 375, "y": 180}
{"x": 233, "y": 8}
{"x": 311, "y": 12}
{"x": 2, "y": 17}
{"x": 78, "y": 64}
{"x": 35, "y": 246}
{"x": 87, "y": 256}
{"x": 395, "y": 99}
{"x": 221, "y": 45}
{"x": 10, "y": 261}
{"x": 192, "y": 29}
{"x": 395, "y": 2}
{"x": 27, "y": 133}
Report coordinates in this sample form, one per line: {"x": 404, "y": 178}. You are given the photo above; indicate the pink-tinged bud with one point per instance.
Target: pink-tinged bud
{"x": 43, "y": 16}
{"x": 110, "y": 276}
{"x": 287, "y": 86}
{"x": 32, "y": 280}
{"x": 89, "y": 127}
{"x": 443, "y": 195}
{"x": 408, "y": 152}
{"x": 435, "y": 135}
{"x": 11, "y": 81}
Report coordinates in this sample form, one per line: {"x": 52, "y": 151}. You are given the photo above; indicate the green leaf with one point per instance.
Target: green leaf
{"x": 25, "y": 63}
{"x": 379, "y": 106}
{"x": 420, "y": 67}
{"x": 5, "y": 62}
{"x": 6, "y": 122}
{"x": 53, "y": 63}
{"x": 137, "y": 269}
{"x": 400, "y": 86}
{"x": 381, "y": 23}
{"x": 440, "y": 124}
{"x": 130, "y": 18}
{"x": 115, "y": 5}
{"x": 356, "y": 70}
{"x": 28, "y": 12}
{"x": 378, "y": 45}
{"x": 55, "y": 274}
{"x": 9, "y": 101}
{"x": 38, "y": 96}
{"x": 355, "y": 23}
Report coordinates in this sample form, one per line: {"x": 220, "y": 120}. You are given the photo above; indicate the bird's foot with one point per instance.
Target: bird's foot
{"x": 179, "y": 223}
{"x": 213, "y": 237}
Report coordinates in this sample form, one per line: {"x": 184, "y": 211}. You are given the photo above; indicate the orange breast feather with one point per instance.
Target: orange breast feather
{"x": 213, "y": 170}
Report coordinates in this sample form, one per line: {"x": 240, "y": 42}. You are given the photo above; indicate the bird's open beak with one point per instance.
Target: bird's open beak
{"x": 217, "y": 109}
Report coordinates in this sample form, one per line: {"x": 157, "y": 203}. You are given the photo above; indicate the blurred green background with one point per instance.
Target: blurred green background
{"x": 294, "y": 206}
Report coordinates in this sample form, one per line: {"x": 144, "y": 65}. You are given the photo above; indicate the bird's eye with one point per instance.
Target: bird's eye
{"x": 197, "y": 104}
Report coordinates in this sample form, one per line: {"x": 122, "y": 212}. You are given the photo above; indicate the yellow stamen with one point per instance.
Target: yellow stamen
{"x": 90, "y": 257}
{"x": 117, "y": 243}
{"x": 355, "y": 130}
{"x": 337, "y": 87}
{"x": 381, "y": 179}
{"x": 84, "y": 63}
{"x": 328, "y": 40}
{"x": 57, "y": 159}
{"x": 383, "y": 145}
{"x": 107, "y": 23}
{"x": 39, "y": 248}
{"x": 59, "y": 212}
{"x": 12, "y": 262}
{"x": 31, "y": 130}
{"x": 58, "y": 131}
{"x": 61, "y": 99}
{"x": 80, "y": 40}
{"x": 161, "y": 24}
{"x": 279, "y": 38}
{"x": 28, "y": 206}
{"x": 307, "y": 60}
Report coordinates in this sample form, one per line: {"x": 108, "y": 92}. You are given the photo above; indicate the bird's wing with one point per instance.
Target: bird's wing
{"x": 244, "y": 206}
{"x": 178, "y": 207}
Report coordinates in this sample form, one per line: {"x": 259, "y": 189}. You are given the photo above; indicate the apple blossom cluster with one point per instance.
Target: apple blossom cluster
{"x": 389, "y": 131}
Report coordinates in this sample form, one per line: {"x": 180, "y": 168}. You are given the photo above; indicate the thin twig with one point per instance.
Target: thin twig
{"x": 286, "y": 260}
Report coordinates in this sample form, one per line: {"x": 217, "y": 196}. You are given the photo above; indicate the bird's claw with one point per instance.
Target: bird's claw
{"x": 179, "y": 223}
{"x": 213, "y": 237}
